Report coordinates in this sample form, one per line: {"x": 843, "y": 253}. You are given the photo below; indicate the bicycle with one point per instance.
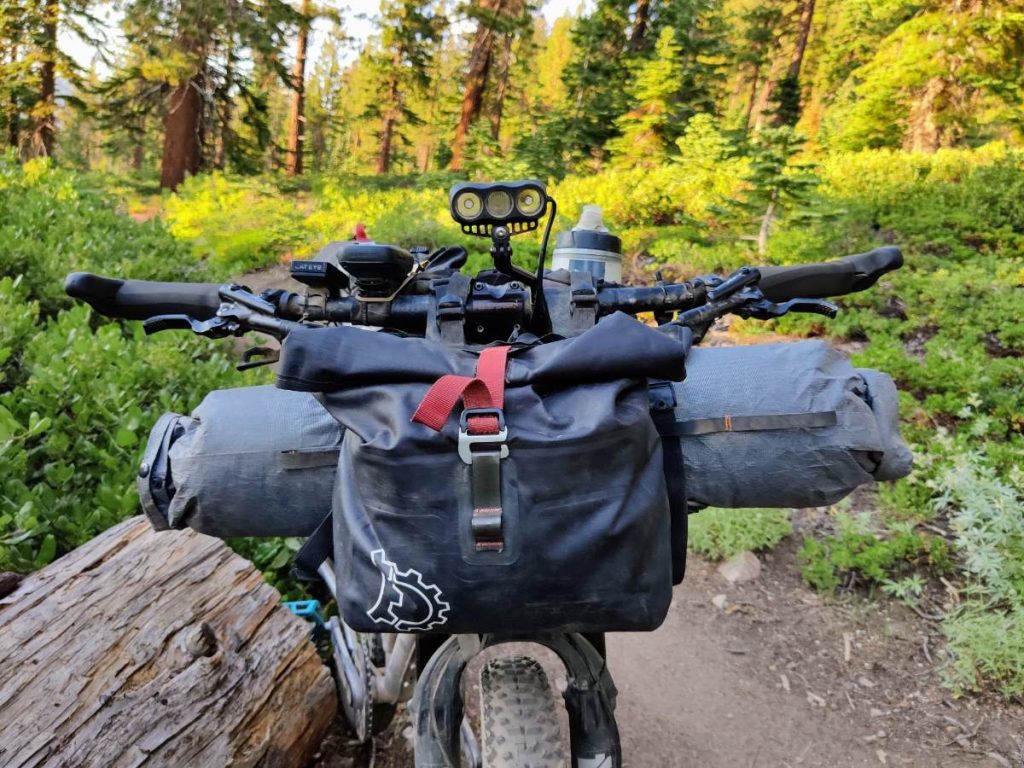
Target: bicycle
{"x": 385, "y": 287}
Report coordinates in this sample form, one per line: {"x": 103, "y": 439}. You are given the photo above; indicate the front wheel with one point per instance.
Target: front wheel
{"x": 519, "y": 722}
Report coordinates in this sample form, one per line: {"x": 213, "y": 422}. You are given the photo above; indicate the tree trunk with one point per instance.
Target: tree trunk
{"x": 44, "y": 109}
{"x": 752, "y": 97}
{"x": 182, "y": 133}
{"x": 766, "y": 224}
{"x": 923, "y": 131}
{"x": 158, "y": 648}
{"x": 765, "y": 97}
{"x": 224, "y": 113}
{"x": 641, "y": 18}
{"x": 138, "y": 155}
{"x": 392, "y": 108}
{"x": 504, "y": 66}
{"x": 13, "y": 116}
{"x": 387, "y": 137}
{"x": 297, "y": 118}
{"x": 480, "y": 58}
{"x": 802, "y": 36}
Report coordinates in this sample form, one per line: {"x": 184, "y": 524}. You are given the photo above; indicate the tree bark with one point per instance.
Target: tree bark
{"x": 390, "y": 119}
{"x": 297, "y": 118}
{"x": 641, "y": 18}
{"x": 158, "y": 648}
{"x": 802, "y": 36}
{"x": 504, "y": 66}
{"x": 13, "y": 113}
{"x": 752, "y": 97}
{"x": 224, "y": 113}
{"x": 182, "y": 133}
{"x": 766, "y": 224}
{"x": 480, "y": 58}
{"x": 138, "y": 155}
{"x": 44, "y": 109}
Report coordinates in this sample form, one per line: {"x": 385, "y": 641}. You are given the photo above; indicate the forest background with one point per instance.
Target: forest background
{"x": 200, "y": 139}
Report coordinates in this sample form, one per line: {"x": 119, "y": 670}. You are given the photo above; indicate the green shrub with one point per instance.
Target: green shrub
{"x": 722, "y": 533}
{"x": 99, "y": 392}
{"x": 987, "y": 647}
{"x": 874, "y": 558}
{"x": 78, "y": 394}
{"x": 986, "y": 632}
{"x": 50, "y": 225}
{"x": 238, "y": 224}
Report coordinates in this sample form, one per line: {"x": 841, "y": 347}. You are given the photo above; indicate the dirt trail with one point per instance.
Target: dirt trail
{"x": 765, "y": 682}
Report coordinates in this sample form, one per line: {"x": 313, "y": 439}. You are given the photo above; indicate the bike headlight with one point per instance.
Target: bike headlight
{"x": 518, "y": 205}
{"x": 467, "y": 205}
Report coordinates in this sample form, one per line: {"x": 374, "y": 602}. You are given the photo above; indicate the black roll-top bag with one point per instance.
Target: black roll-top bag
{"x": 559, "y": 522}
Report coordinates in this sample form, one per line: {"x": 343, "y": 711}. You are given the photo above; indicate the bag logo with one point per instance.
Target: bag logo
{"x": 406, "y": 602}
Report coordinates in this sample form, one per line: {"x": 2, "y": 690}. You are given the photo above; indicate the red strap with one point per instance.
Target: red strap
{"x": 485, "y": 390}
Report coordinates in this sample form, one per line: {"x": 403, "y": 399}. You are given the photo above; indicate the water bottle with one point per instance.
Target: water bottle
{"x": 590, "y": 247}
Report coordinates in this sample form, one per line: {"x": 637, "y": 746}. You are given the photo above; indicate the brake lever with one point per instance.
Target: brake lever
{"x": 214, "y": 328}
{"x": 764, "y": 309}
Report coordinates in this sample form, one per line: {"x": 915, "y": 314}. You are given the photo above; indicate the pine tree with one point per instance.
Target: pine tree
{"x": 648, "y": 129}
{"x": 595, "y": 80}
{"x": 187, "y": 46}
{"x": 410, "y": 31}
{"x": 779, "y": 181}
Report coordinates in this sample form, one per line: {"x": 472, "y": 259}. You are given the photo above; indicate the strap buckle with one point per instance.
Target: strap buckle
{"x": 468, "y": 440}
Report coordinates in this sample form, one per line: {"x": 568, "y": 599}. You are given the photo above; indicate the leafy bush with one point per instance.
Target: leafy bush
{"x": 50, "y": 225}
{"x": 78, "y": 395}
{"x": 986, "y": 632}
{"x": 722, "y": 533}
{"x": 870, "y": 556}
{"x": 238, "y": 224}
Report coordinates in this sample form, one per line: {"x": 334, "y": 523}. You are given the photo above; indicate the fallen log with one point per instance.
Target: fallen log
{"x": 158, "y": 648}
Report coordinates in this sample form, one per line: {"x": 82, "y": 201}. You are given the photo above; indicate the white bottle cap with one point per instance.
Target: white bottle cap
{"x": 591, "y": 218}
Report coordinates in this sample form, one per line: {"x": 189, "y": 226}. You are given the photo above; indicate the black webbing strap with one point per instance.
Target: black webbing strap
{"x": 582, "y": 301}
{"x": 663, "y": 402}
{"x": 315, "y": 550}
{"x": 486, "y": 485}
{"x": 762, "y": 423}
{"x": 451, "y": 310}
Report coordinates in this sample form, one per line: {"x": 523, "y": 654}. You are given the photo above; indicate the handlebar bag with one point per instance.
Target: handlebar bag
{"x": 252, "y": 461}
{"x": 502, "y": 489}
{"x": 784, "y": 425}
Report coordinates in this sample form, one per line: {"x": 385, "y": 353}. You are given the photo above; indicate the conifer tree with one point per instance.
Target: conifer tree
{"x": 410, "y": 31}
{"x": 595, "y": 80}
{"x": 650, "y": 127}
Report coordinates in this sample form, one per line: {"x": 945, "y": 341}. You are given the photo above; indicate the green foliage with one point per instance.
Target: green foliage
{"x": 51, "y": 225}
{"x": 722, "y": 533}
{"x": 986, "y": 632}
{"x": 649, "y": 127}
{"x": 274, "y": 559}
{"x": 77, "y": 397}
{"x": 872, "y": 557}
{"x": 237, "y": 224}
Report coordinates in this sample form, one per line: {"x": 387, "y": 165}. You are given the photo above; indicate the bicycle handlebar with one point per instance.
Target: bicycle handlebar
{"x": 831, "y": 278}
{"x": 142, "y": 299}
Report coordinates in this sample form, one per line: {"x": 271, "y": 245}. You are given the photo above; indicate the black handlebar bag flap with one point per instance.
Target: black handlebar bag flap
{"x": 529, "y": 493}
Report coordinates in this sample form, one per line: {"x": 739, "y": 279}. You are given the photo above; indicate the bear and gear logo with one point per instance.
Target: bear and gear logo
{"x": 406, "y": 602}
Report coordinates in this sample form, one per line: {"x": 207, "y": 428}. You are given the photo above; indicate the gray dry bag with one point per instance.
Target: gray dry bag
{"x": 253, "y": 461}
{"x": 784, "y": 425}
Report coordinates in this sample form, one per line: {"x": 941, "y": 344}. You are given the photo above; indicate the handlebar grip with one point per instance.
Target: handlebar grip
{"x": 141, "y": 299}
{"x": 831, "y": 278}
